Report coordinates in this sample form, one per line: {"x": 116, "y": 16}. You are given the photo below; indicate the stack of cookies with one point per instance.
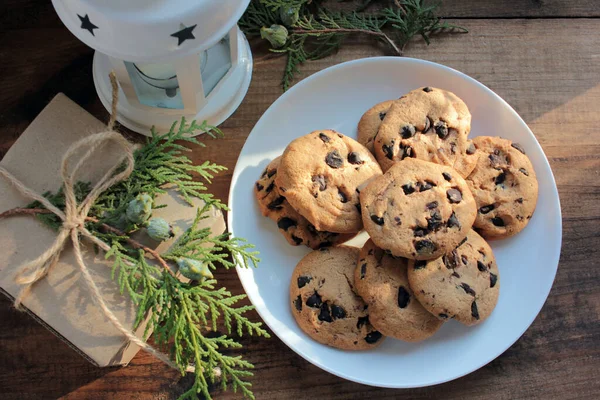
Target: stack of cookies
{"x": 427, "y": 196}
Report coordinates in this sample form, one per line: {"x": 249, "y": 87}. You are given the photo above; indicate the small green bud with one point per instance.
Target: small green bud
{"x": 288, "y": 15}
{"x": 276, "y": 35}
{"x": 194, "y": 269}
{"x": 159, "y": 229}
{"x": 139, "y": 209}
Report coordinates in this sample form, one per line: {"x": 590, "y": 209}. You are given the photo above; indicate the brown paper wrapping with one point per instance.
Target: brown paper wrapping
{"x": 61, "y": 301}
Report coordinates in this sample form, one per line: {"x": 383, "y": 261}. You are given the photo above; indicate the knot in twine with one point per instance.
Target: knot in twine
{"x": 73, "y": 221}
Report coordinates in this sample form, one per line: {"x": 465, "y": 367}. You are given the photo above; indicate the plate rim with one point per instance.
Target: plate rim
{"x": 395, "y": 59}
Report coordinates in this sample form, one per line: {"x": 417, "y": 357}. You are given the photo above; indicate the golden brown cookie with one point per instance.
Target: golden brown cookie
{"x": 504, "y": 186}
{"x": 463, "y": 284}
{"x": 319, "y": 175}
{"x": 369, "y": 123}
{"x": 381, "y": 280}
{"x": 429, "y": 124}
{"x": 295, "y": 228}
{"x": 418, "y": 209}
{"x": 324, "y": 303}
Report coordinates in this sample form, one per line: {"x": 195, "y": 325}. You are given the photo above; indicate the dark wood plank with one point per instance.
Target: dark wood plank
{"x": 546, "y": 69}
{"x": 519, "y": 9}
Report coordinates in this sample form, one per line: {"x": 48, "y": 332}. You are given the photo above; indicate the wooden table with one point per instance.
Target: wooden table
{"x": 543, "y": 57}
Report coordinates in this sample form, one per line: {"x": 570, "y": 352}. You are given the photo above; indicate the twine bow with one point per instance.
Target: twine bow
{"x": 74, "y": 218}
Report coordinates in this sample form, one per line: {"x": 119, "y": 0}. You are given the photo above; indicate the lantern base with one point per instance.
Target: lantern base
{"x": 221, "y": 104}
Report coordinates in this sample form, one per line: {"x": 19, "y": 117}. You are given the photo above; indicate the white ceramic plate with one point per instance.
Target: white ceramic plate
{"x": 335, "y": 98}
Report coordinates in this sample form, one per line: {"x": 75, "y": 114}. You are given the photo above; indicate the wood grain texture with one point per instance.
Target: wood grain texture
{"x": 519, "y": 9}
{"x": 548, "y": 70}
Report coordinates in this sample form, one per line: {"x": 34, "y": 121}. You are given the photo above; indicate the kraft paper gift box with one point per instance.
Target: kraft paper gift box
{"x": 61, "y": 301}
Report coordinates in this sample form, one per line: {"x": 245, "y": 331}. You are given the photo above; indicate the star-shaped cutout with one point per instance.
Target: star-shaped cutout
{"x": 184, "y": 34}
{"x": 87, "y": 24}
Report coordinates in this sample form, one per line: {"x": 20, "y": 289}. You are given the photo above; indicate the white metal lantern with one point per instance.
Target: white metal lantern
{"x": 172, "y": 58}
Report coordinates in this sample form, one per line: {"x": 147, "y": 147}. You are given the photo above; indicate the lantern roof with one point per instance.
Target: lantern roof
{"x": 150, "y": 30}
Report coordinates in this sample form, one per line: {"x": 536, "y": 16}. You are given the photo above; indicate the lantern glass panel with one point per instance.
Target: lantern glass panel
{"x": 155, "y": 85}
{"x": 216, "y": 64}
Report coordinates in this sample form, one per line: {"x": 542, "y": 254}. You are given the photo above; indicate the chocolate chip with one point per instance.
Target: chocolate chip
{"x": 420, "y": 264}
{"x": 518, "y": 147}
{"x": 382, "y": 115}
{"x": 455, "y": 274}
{"x": 408, "y": 188}
{"x": 486, "y": 209}
{"x": 325, "y": 244}
{"x": 354, "y": 158}
{"x": 497, "y": 221}
{"x": 461, "y": 243}
{"x": 424, "y": 186}
{"x": 420, "y": 232}
{"x": 282, "y": 189}
{"x": 270, "y": 188}
{"x": 471, "y": 149}
{"x": 363, "y": 271}
{"x": 303, "y": 280}
{"x": 388, "y": 150}
{"x": 276, "y": 204}
{"x": 321, "y": 181}
{"x": 264, "y": 173}
{"x": 342, "y": 196}
{"x": 325, "y": 314}
{"x": 407, "y": 131}
{"x": 524, "y": 171}
{"x": 403, "y": 297}
{"x": 474, "y": 311}
{"x": 442, "y": 315}
{"x": 373, "y": 337}
{"x": 481, "y": 266}
{"x": 271, "y": 172}
{"x": 500, "y": 178}
{"x": 358, "y": 208}
{"x": 453, "y": 148}
{"x": 377, "y": 220}
{"x": 493, "y": 280}
{"x": 425, "y": 246}
{"x": 497, "y": 158}
{"x": 435, "y": 222}
{"x": 432, "y": 205}
{"x": 296, "y": 240}
{"x": 464, "y": 259}
{"x": 454, "y": 195}
{"x": 286, "y": 223}
{"x": 427, "y": 89}
{"x": 441, "y": 129}
{"x": 447, "y": 176}
{"x": 467, "y": 289}
{"x": 427, "y": 126}
{"x": 398, "y": 220}
{"x": 338, "y": 312}
{"x": 324, "y": 137}
{"x": 362, "y": 321}
{"x": 334, "y": 160}
{"x": 519, "y": 200}
{"x": 405, "y": 151}
{"x": 311, "y": 229}
{"x": 298, "y": 303}
{"x": 453, "y": 221}
{"x": 259, "y": 187}
{"x": 450, "y": 260}
{"x": 314, "y": 300}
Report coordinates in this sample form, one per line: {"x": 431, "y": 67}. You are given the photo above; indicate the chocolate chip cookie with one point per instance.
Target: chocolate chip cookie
{"x": 504, "y": 186}
{"x": 463, "y": 284}
{"x": 429, "y": 124}
{"x": 381, "y": 280}
{"x": 324, "y": 303}
{"x": 295, "y": 228}
{"x": 418, "y": 209}
{"x": 319, "y": 175}
{"x": 369, "y": 123}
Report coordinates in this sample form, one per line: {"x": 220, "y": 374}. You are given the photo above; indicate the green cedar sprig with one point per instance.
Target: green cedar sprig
{"x": 320, "y": 32}
{"x": 183, "y": 316}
